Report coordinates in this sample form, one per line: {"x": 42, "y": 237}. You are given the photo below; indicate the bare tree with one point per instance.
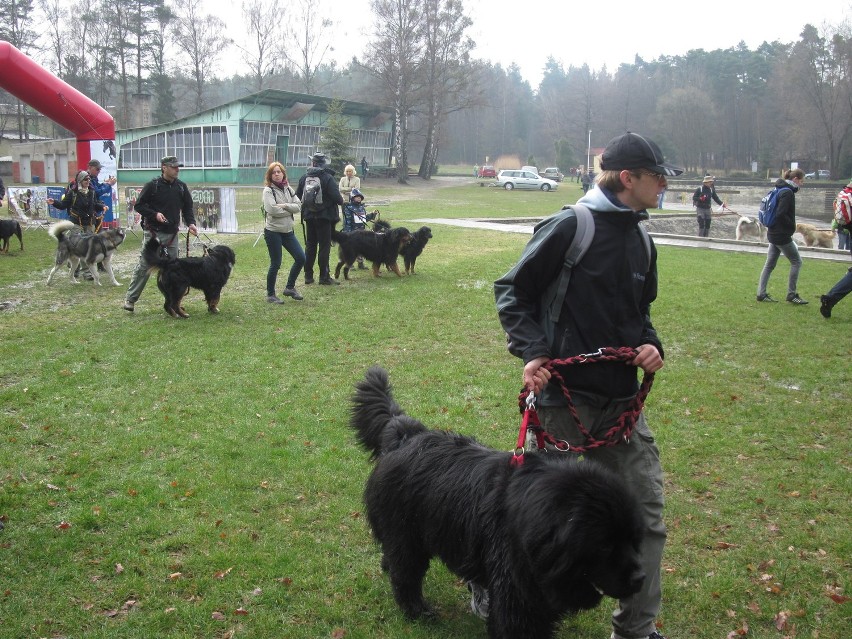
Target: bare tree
{"x": 201, "y": 37}
{"x": 395, "y": 59}
{"x": 264, "y": 53}
{"x": 309, "y": 36}
{"x": 445, "y": 71}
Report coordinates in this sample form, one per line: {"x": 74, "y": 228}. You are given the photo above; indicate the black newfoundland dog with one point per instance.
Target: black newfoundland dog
{"x": 378, "y": 248}
{"x": 548, "y": 537}
{"x": 209, "y": 274}
{"x": 8, "y": 228}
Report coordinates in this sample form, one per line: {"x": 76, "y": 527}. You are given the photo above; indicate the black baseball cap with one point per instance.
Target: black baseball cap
{"x": 170, "y": 160}
{"x": 633, "y": 151}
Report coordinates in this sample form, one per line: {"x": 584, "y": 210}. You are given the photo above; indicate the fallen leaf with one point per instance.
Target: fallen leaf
{"x": 119, "y": 569}
{"x": 781, "y": 620}
{"x": 338, "y": 633}
{"x": 838, "y": 598}
{"x": 240, "y": 611}
{"x": 222, "y": 573}
{"x": 175, "y": 575}
{"x": 170, "y": 610}
{"x": 742, "y": 631}
{"x": 724, "y": 545}
{"x": 64, "y": 525}
{"x": 217, "y": 616}
{"x": 52, "y": 487}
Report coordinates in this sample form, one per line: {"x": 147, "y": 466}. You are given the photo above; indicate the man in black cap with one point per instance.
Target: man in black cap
{"x": 103, "y": 189}
{"x": 607, "y": 303}
{"x": 162, "y": 202}
{"x": 320, "y": 222}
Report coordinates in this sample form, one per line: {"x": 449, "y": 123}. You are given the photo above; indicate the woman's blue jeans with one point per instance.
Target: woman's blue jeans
{"x": 275, "y": 242}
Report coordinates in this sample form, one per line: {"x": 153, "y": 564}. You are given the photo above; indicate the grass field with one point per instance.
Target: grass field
{"x": 196, "y": 479}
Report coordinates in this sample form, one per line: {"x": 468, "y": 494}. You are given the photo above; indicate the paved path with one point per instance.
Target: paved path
{"x": 689, "y": 241}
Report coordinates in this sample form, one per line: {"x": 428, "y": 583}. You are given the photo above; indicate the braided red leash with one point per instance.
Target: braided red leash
{"x": 621, "y": 430}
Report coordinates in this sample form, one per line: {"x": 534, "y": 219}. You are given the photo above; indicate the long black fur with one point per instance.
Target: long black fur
{"x": 544, "y": 537}
{"x": 209, "y": 274}
{"x": 411, "y": 251}
{"x": 378, "y": 248}
{"x": 8, "y": 228}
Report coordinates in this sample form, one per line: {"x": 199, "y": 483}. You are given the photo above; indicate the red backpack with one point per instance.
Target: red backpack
{"x": 843, "y": 207}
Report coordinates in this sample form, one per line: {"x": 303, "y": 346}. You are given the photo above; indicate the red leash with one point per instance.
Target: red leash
{"x": 621, "y": 430}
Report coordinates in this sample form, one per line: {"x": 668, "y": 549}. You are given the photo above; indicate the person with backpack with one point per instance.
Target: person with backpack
{"x": 280, "y": 206}
{"x": 103, "y": 189}
{"x": 162, "y": 202}
{"x": 701, "y": 199}
{"x": 843, "y": 220}
{"x": 82, "y": 202}
{"x": 320, "y": 198}
{"x": 606, "y": 303}
{"x": 779, "y": 217}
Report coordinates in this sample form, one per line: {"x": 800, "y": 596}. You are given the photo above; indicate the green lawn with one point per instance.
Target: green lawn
{"x": 166, "y": 478}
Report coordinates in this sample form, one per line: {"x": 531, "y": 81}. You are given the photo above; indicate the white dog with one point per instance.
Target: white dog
{"x": 748, "y": 228}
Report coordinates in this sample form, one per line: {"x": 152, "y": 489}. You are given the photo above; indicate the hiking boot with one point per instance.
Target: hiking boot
{"x": 309, "y": 279}
{"x": 825, "y": 306}
{"x": 128, "y": 305}
{"x": 292, "y": 292}
{"x": 327, "y": 281}
{"x": 794, "y": 298}
{"x": 273, "y": 299}
{"x": 479, "y": 600}
{"x": 766, "y": 297}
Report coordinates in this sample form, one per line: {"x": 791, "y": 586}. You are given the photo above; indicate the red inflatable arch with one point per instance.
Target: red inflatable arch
{"x": 33, "y": 84}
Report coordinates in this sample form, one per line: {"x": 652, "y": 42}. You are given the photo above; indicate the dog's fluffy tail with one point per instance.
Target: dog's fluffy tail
{"x": 152, "y": 254}
{"x": 379, "y": 423}
{"x": 339, "y": 236}
{"x": 56, "y": 230}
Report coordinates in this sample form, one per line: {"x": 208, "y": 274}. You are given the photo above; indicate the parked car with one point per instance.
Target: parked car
{"x": 487, "y": 171}
{"x": 822, "y": 174}
{"x": 553, "y": 173}
{"x": 519, "y": 179}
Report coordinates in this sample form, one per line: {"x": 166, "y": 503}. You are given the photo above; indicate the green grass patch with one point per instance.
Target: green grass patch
{"x": 165, "y": 478}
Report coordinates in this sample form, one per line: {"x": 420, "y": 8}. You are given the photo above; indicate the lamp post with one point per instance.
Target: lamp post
{"x": 589, "y": 152}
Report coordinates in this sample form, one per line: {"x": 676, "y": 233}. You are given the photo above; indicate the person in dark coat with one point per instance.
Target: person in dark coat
{"x": 780, "y": 238}
{"x": 319, "y": 224}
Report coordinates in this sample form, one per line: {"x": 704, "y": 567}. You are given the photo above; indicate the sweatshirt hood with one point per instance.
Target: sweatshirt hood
{"x": 604, "y": 200}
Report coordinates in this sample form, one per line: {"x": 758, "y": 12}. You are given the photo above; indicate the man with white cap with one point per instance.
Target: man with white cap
{"x": 607, "y": 304}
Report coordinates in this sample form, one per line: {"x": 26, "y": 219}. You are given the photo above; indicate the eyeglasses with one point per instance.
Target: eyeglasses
{"x": 657, "y": 176}
{"x": 86, "y": 180}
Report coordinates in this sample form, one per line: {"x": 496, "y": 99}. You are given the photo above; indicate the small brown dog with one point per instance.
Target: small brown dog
{"x": 815, "y": 237}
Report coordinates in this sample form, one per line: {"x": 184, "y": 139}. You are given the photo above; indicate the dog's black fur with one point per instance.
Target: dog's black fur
{"x": 209, "y": 274}
{"x": 546, "y": 537}
{"x": 8, "y": 228}
{"x": 378, "y": 248}
{"x": 411, "y": 251}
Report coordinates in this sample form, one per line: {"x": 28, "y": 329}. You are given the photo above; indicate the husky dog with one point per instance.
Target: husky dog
{"x": 76, "y": 246}
{"x": 748, "y": 228}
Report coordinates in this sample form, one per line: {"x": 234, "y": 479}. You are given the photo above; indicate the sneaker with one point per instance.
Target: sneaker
{"x": 794, "y": 298}
{"x": 273, "y": 299}
{"x": 128, "y": 305}
{"x": 766, "y": 297}
{"x": 327, "y": 281}
{"x": 292, "y": 292}
{"x": 825, "y": 306}
{"x": 479, "y": 600}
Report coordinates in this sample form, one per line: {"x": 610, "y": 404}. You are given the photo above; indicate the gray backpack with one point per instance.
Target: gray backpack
{"x": 312, "y": 195}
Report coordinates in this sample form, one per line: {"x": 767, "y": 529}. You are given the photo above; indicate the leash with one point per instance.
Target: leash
{"x": 531, "y": 429}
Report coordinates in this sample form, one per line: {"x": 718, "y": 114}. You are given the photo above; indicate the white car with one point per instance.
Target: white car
{"x": 822, "y": 174}
{"x": 519, "y": 179}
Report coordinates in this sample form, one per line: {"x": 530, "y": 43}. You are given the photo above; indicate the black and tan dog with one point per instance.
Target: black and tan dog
{"x": 411, "y": 251}
{"x": 209, "y": 273}
{"x": 8, "y": 228}
{"x": 378, "y": 248}
{"x": 546, "y": 538}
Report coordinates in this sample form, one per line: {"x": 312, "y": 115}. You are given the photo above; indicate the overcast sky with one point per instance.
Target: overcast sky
{"x": 581, "y": 32}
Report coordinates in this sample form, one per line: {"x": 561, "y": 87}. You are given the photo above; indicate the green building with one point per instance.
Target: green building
{"x": 235, "y": 142}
